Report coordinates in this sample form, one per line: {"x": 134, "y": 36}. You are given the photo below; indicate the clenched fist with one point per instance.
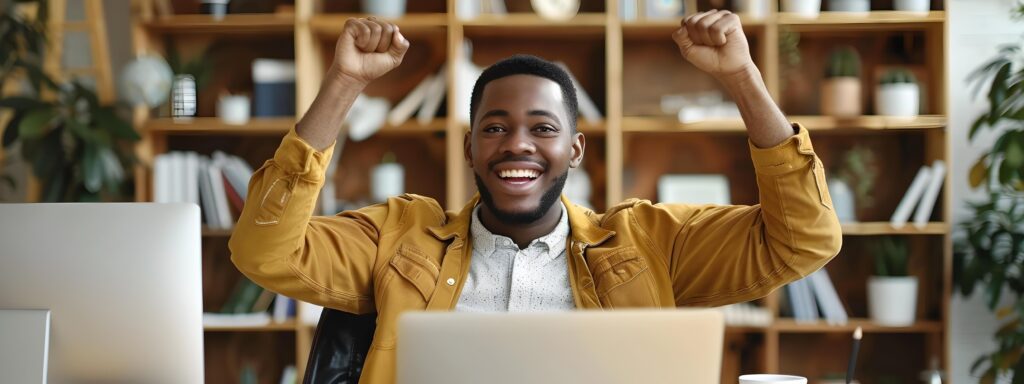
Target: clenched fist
{"x": 369, "y": 48}
{"x": 714, "y": 42}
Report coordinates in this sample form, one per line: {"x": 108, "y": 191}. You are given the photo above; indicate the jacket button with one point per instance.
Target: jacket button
{"x": 451, "y": 281}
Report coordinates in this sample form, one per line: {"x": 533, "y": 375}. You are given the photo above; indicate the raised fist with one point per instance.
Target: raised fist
{"x": 368, "y": 48}
{"x": 714, "y": 42}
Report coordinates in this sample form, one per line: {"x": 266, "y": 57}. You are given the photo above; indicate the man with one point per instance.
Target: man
{"x": 518, "y": 247}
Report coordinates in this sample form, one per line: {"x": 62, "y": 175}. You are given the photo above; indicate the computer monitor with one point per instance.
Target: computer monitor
{"x": 122, "y": 283}
{"x": 578, "y": 347}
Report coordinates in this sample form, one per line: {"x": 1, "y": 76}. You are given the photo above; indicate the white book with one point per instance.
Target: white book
{"x": 405, "y": 108}
{"x": 206, "y": 199}
{"x": 161, "y": 175}
{"x": 309, "y": 313}
{"x": 911, "y": 198}
{"x": 434, "y": 97}
{"x": 809, "y": 300}
{"x": 239, "y": 174}
{"x": 931, "y": 194}
{"x": 587, "y": 107}
{"x": 281, "y": 303}
{"x": 828, "y": 299}
{"x": 797, "y": 301}
{"x": 190, "y": 179}
{"x": 220, "y": 197}
{"x": 177, "y": 188}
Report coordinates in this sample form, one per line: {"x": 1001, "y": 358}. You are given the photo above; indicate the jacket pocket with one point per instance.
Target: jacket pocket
{"x": 273, "y": 202}
{"x": 624, "y": 280}
{"x": 821, "y": 184}
{"x": 417, "y": 270}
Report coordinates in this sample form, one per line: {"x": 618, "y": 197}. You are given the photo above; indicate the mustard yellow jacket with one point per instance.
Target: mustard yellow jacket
{"x": 409, "y": 254}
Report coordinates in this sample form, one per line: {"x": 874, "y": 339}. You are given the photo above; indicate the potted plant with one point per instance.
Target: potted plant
{"x": 78, "y": 149}
{"x": 840, "y": 92}
{"x": 989, "y": 248}
{"x": 918, "y": 6}
{"x": 805, "y": 8}
{"x": 892, "y": 294}
{"x": 898, "y": 94}
{"x": 859, "y": 6}
{"x": 851, "y": 184}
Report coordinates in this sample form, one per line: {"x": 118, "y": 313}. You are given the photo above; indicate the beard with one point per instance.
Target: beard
{"x": 547, "y": 200}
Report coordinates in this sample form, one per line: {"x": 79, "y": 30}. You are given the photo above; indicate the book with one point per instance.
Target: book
{"x": 931, "y": 194}
{"x": 289, "y": 375}
{"x": 190, "y": 178}
{"x": 206, "y": 198}
{"x": 911, "y": 198}
{"x": 243, "y": 297}
{"x": 405, "y": 108}
{"x": 263, "y": 301}
{"x": 284, "y": 308}
{"x": 161, "y": 178}
{"x": 237, "y": 171}
{"x": 433, "y": 98}
{"x": 235, "y": 319}
{"x": 825, "y": 292}
{"x": 234, "y": 200}
{"x": 220, "y": 197}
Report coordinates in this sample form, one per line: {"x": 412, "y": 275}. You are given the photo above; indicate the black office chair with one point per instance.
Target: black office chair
{"x": 340, "y": 345}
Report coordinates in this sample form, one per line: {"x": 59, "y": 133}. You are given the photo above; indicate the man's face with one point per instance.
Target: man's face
{"x": 521, "y": 147}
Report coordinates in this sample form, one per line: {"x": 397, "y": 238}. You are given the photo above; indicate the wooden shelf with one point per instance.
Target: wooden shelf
{"x": 884, "y": 228}
{"x": 813, "y": 123}
{"x": 529, "y": 24}
{"x": 664, "y": 28}
{"x": 874, "y": 20}
{"x": 287, "y": 326}
{"x": 791, "y": 326}
{"x": 269, "y": 126}
{"x": 331, "y": 25}
{"x": 233, "y": 24}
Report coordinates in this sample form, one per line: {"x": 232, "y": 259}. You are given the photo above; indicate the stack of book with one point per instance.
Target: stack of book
{"x": 922, "y": 193}
{"x": 251, "y": 306}
{"x": 218, "y": 184}
{"x": 806, "y": 296}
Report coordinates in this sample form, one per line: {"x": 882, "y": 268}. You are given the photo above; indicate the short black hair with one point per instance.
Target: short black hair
{"x": 527, "y": 65}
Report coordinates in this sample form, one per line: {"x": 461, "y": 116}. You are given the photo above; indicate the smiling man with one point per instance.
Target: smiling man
{"x": 521, "y": 246}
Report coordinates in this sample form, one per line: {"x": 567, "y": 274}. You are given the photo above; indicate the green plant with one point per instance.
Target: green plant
{"x": 859, "y": 170}
{"x": 891, "y": 256}
{"x": 898, "y": 76}
{"x": 78, "y": 149}
{"x": 989, "y": 249}
{"x": 200, "y": 66}
{"x": 843, "y": 62}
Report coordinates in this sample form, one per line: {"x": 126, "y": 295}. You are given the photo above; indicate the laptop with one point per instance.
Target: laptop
{"x": 646, "y": 346}
{"x": 122, "y": 283}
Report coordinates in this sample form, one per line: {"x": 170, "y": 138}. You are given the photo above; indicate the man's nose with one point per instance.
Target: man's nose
{"x": 519, "y": 141}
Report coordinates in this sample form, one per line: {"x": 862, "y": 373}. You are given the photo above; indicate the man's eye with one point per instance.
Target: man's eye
{"x": 545, "y": 128}
{"x": 493, "y": 128}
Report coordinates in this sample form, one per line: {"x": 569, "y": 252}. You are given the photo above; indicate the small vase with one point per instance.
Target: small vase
{"x": 183, "y": 97}
{"x": 892, "y": 300}
{"x": 805, "y": 8}
{"x": 840, "y": 97}
{"x": 900, "y": 99}
{"x": 391, "y": 9}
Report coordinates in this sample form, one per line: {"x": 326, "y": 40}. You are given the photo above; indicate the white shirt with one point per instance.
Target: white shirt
{"x": 504, "y": 278}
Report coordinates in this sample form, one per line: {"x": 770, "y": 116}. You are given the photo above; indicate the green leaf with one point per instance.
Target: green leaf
{"x": 19, "y": 103}
{"x": 979, "y": 171}
{"x": 92, "y": 168}
{"x": 977, "y": 364}
{"x": 1014, "y": 156}
{"x": 107, "y": 119}
{"x": 980, "y": 122}
{"x": 998, "y": 91}
{"x": 53, "y": 190}
{"x": 1006, "y": 173}
{"x": 995, "y": 289}
{"x": 36, "y": 123}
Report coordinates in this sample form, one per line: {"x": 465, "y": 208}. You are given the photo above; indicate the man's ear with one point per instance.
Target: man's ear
{"x": 467, "y": 147}
{"x": 579, "y": 143}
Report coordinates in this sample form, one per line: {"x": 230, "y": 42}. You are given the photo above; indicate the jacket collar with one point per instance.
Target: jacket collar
{"x": 583, "y": 228}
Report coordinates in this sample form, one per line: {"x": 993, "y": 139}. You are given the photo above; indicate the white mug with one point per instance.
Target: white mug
{"x": 774, "y": 379}
{"x": 233, "y": 109}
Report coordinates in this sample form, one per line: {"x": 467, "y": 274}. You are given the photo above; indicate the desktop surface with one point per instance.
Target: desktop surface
{"x": 122, "y": 283}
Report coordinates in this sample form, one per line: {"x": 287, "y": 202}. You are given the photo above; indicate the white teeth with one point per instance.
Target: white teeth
{"x": 519, "y": 173}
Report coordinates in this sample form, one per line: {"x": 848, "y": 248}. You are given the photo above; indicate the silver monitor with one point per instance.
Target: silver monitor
{"x": 122, "y": 283}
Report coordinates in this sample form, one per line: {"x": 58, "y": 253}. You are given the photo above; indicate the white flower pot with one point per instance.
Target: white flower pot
{"x": 859, "y": 6}
{"x": 892, "y": 301}
{"x": 900, "y": 99}
{"x": 806, "y": 8}
{"x": 920, "y": 6}
{"x": 755, "y": 9}
{"x": 842, "y": 200}
{"x": 840, "y": 97}
{"x": 391, "y": 9}
{"x": 387, "y": 180}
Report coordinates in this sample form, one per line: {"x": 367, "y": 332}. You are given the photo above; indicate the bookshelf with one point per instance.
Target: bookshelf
{"x": 625, "y": 67}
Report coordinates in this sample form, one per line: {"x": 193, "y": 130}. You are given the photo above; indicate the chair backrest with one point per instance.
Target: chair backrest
{"x": 339, "y": 347}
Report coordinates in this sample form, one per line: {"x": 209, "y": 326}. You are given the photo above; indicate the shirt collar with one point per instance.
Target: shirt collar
{"x": 486, "y": 242}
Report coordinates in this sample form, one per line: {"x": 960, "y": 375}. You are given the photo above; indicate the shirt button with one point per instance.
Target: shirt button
{"x": 451, "y": 281}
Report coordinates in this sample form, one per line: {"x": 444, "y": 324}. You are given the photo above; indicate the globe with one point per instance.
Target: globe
{"x": 147, "y": 81}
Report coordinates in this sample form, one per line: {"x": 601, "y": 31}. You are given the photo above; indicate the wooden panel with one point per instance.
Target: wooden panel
{"x": 226, "y": 353}
{"x": 890, "y": 356}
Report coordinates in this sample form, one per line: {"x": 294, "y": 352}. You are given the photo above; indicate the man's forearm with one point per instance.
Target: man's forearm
{"x": 324, "y": 120}
{"x": 766, "y": 125}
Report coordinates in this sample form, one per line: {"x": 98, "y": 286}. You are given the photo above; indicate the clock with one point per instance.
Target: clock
{"x": 556, "y": 9}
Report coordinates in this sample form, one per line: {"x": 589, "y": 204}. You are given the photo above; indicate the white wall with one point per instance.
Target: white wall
{"x": 976, "y": 29}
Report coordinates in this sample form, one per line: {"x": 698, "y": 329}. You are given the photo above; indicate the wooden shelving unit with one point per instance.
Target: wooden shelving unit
{"x": 625, "y": 67}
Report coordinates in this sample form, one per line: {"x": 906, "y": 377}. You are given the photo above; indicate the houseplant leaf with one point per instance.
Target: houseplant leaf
{"x": 107, "y": 119}
{"x": 36, "y": 123}
{"x": 979, "y": 171}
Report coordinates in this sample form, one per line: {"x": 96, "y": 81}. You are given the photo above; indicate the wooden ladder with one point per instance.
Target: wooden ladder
{"x": 94, "y": 24}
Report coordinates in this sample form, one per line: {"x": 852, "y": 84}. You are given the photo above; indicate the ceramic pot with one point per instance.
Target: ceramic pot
{"x": 840, "y": 97}
{"x": 892, "y": 300}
